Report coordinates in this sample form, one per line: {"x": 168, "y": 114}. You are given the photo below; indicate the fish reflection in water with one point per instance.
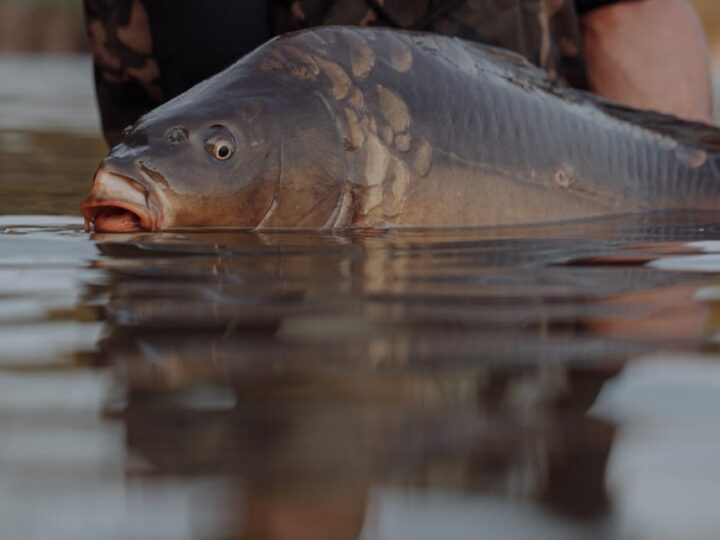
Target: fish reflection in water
{"x": 336, "y": 377}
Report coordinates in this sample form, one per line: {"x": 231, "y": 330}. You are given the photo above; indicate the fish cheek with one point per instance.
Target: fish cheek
{"x": 188, "y": 174}
{"x": 233, "y": 197}
{"x": 246, "y": 207}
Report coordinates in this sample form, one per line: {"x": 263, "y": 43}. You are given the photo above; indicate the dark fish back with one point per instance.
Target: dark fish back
{"x": 146, "y": 53}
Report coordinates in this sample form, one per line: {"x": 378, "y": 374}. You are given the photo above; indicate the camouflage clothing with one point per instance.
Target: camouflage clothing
{"x": 546, "y": 32}
{"x": 127, "y": 77}
{"x": 149, "y": 51}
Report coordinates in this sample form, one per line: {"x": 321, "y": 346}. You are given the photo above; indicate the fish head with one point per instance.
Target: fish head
{"x": 193, "y": 162}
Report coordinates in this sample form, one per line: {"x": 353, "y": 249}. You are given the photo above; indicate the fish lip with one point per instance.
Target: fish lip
{"x": 115, "y": 190}
{"x": 91, "y": 208}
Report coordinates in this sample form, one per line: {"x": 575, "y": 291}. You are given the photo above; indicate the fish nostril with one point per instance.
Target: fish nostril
{"x": 133, "y": 137}
{"x": 177, "y": 135}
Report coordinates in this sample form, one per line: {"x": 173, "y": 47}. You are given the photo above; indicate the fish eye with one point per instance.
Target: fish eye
{"x": 126, "y": 131}
{"x": 220, "y": 148}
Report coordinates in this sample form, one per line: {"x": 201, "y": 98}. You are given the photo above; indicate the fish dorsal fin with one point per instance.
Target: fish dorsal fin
{"x": 685, "y": 132}
{"x": 508, "y": 64}
{"x": 517, "y": 69}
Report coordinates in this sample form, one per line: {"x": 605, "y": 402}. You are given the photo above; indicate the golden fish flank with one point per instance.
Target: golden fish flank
{"x": 399, "y": 54}
{"x": 373, "y": 125}
{"x": 422, "y": 160}
{"x": 302, "y": 57}
{"x": 356, "y": 99}
{"x": 300, "y": 72}
{"x": 403, "y": 141}
{"x": 372, "y": 199}
{"x": 314, "y": 43}
{"x": 299, "y": 64}
{"x": 357, "y": 134}
{"x": 362, "y": 57}
{"x": 387, "y": 134}
{"x": 273, "y": 61}
{"x": 396, "y": 188}
{"x": 340, "y": 81}
{"x": 376, "y": 158}
{"x": 393, "y": 109}
{"x": 369, "y": 123}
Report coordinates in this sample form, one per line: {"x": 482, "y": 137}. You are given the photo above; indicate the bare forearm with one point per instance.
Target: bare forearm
{"x": 650, "y": 54}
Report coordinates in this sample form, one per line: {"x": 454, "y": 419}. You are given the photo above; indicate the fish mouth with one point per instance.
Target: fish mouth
{"x": 120, "y": 204}
{"x": 115, "y": 216}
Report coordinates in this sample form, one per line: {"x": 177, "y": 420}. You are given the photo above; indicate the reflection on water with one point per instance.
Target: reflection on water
{"x": 374, "y": 385}
{"x": 49, "y": 142}
{"x": 46, "y": 172}
{"x": 554, "y": 382}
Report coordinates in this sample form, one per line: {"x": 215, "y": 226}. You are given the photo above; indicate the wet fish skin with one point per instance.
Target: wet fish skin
{"x": 359, "y": 127}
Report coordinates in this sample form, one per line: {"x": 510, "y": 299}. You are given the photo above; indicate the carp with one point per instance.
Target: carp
{"x": 339, "y": 127}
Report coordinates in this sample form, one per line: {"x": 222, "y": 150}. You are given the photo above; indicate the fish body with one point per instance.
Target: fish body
{"x": 340, "y": 127}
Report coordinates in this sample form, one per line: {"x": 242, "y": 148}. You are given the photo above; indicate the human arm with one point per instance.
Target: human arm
{"x": 649, "y": 54}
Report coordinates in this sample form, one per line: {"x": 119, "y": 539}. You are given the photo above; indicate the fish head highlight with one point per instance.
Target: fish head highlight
{"x": 186, "y": 164}
{"x": 249, "y": 147}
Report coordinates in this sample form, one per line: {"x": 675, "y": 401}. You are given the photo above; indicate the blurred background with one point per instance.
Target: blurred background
{"x": 710, "y": 13}
{"x": 41, "y": 25}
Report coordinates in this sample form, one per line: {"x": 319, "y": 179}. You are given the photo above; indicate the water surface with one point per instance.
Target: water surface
{"x": 549, "y": 382}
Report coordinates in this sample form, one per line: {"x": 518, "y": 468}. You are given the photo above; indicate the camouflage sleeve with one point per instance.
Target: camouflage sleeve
{"x": 126, "y": 75}
{"x": 146, "y": 52}
{"x": 194, "y": 39}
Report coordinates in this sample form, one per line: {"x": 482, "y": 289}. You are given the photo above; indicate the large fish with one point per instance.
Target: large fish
{"x": 348, "y": 127}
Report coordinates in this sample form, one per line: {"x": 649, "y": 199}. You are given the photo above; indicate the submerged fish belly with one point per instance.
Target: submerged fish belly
{"x": 455, "y": 196}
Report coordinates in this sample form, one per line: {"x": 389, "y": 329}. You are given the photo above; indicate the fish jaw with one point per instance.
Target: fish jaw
{"x": 119, "y": 204}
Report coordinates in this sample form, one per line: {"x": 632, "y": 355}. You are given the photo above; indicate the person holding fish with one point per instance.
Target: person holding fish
{"x": 645, "y": 53}
{"x": 358, "y": 122}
